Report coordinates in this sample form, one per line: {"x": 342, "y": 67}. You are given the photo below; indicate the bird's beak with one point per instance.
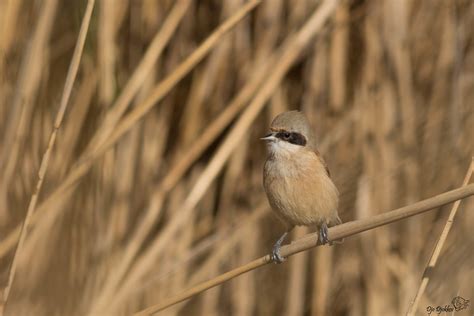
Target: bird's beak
{"x": 269, "y": 137}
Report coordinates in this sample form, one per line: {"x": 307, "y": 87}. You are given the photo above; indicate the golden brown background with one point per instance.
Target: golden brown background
{"x": 388, "y": 86}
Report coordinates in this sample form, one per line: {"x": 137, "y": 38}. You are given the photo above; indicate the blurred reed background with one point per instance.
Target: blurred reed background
{"x": 388, "y": 86}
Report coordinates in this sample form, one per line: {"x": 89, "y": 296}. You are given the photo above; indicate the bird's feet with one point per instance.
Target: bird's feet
{"x": 276, "y": 256}
{"x": 323, "y": 234}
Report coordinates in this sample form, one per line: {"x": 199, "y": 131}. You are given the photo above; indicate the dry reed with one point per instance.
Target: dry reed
{"x": 311, "y": 240}
{"x": 71, "y": 77}
{"x": 439, "y": 245}
{"x": 154, "y": 182}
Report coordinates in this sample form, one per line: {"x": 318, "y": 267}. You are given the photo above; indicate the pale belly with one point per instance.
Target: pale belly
{"x": 302, "y": 196}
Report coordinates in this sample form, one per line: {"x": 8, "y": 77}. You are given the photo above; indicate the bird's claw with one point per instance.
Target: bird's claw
{"x": 323, "y": 234}
{"x": 276, "y": 256}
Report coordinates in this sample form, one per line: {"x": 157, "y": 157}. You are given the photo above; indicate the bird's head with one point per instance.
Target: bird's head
{"x": 290, "y": 132}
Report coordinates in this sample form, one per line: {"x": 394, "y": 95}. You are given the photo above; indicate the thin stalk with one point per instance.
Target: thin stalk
{"x": 311, "y": 240}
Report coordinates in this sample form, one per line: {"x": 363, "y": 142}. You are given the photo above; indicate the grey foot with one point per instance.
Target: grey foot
{"x": 276, "y": 256}
{"x": 323, "y": 234}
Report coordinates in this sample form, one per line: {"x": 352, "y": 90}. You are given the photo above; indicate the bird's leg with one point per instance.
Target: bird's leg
{"x": 276, "y": 256}
{"x": 323, "y": 234}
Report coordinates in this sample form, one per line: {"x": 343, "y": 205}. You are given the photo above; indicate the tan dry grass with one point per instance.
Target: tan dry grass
{"x": 311, "y": 240}
{"x": 388, "y": 86}
{"x": 70, "y": 78}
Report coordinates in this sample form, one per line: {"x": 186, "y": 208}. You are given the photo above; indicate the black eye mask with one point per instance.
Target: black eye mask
{"x": 292, "y": 137}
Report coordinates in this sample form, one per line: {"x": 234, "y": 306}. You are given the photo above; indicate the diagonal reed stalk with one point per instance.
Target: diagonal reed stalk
{"x": 178, "y": 169}
{"x": 139, "y": 75}
{"x": 130, "y": 120}
{"x": 172, "y": 177}
{"x": 438, "y": 247}
{"x": 157, "y": 94}
{"x": 291, "y": 51}
{"x": 409, "y": 99}
{"x": 70, "y": 78}
{"x": 311, "y": 241}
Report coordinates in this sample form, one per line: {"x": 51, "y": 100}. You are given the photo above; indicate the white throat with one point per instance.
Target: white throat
{"x": 281, "y": 149}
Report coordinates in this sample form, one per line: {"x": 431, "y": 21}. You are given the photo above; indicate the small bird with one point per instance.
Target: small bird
{"x": 297, "y": 180}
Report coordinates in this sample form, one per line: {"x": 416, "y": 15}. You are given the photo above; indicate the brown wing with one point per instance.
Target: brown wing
{"x": 318, "y": 154}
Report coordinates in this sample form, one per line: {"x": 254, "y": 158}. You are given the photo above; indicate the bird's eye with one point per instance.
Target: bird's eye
{"x": 286, "y": 135}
